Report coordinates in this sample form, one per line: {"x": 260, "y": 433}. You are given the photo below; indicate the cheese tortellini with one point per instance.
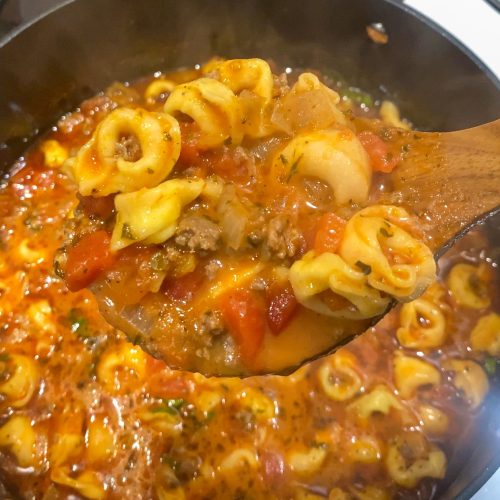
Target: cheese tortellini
{"x": 377, "y": 259}
{"x": 410, "y": 460}
{"x": 19, "y": 436}
{"x": 379, "y": 400}
{"x": 314, "y": 274}
{"x": 130, "y": 149}
{"x": 398, "y": 263}
{"x": 213, "y": 106}
{"x": 150, "y": 215}
{"x": 468, "y": 285}
{"x": 22, "y": 380}
{"x": 485, "y": 335}
{"x": 243, "y": 74}
{"x": 334, "y": 156}
{"x": 423, "y": 325}
{"x": 411, "y": 373}
{"x": 470, "y": 379}
{"x": 120, "y": 364}
{"x": 338, "y": 376}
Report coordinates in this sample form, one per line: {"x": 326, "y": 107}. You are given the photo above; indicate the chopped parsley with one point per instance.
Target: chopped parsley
{"x": 170, "y": 406}
{"x": 365, "y": 268}
{"x": 79, "y": 324}
{"x": 490, "y": 365}
{"x": 4, "y": 357}
{"x": 283, "y": 159}
{"x": 294, "y": 167}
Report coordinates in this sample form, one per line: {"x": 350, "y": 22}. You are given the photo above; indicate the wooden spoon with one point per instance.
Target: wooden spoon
{"x": 450, "y": 180}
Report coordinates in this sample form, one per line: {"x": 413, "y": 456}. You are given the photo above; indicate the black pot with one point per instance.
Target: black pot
{"x": 49, "y": 66}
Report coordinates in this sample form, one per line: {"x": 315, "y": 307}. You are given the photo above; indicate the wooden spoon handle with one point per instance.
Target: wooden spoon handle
{"x": 451, "y": 180}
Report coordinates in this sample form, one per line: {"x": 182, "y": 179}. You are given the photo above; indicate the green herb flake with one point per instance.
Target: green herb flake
{"x": 283, "y": 159}
{"x": 127, "y": 232}
{"x": 490, "y": 365}
{"x": 384, "y": 232}
{"x": 4, "y": 357}
{"x": 294, "y": 167}
{"x": 79, "y": 324}
{"x": 170, "y": 406}
{"x": 358, "y": 96}
{"x": 365, "y": 268}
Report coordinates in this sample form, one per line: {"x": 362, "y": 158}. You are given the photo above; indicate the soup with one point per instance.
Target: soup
{"x": 88, "y": 414}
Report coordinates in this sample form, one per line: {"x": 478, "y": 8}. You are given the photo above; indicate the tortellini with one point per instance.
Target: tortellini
{"x": 19, "y": 436}
{"x": 101, "y": 440}
{"x": 307, "y": 461}
{"x": 364, "y": 449}
{"x": 433, "y": 420}
{"x": 258, "y": 403}
{"x": 412, "y": 373}
{"x": 395, "y": 262}
{"x": 379, "y": 400}
{"x": 129, "y": 150}
{"x": 377, "y": 259}
{"x": 334, "y": 156}
{"x": 485, "y": 335}
{"x": 252, "y": 81}
{"x": 470, "y": 379}
{"x": 213, "y": 106}
{"x": 244, "y": 74}
{"x": 241, "y": 457}
{"x": 22, "y": 381}
{"x": 338, "y": 376}
{"x": 157, "y": 88}
{"x": 468, "y": 285}
{"x": 422, "y": 325}
{"x": 119, "y": 365}
{"x": 313, "y": 274}
{"x": 168, "y": 423}
{"x": 417, "y": 461}
{"x": 151, "y": 215}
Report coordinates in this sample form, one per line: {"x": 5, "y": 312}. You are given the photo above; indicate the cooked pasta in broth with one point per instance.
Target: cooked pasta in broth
{"x": 221, "y": 216}
{"x": 85, "y": 413}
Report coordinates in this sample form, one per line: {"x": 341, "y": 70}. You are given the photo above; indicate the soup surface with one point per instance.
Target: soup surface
{"x": 234, "y": 221}
{"x": 87, "y": 414}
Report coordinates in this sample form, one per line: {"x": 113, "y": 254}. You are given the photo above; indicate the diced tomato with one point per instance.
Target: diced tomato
{"x": 282, "y": 305}
{"x": 97, "y": 207}
{"x": 329, "y": 234}
{"x": 87, "y": 259}
{"x": 184, "y": 288}
{"x": 245, "y": 315}
{"x": 273, "y": 467}
{"x": 383, "y": 160}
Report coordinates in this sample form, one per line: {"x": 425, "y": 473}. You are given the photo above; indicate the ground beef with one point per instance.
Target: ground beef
{"x": 282, "y": 238}
{"x": 198, "y": 233}
{"x": 212, "y": 323}
{"x": 212, "y": 268}
{"x": 129, "y": 148}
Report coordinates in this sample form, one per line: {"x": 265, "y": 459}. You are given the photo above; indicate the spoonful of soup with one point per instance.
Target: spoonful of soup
{"x": 232, "y": 223}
